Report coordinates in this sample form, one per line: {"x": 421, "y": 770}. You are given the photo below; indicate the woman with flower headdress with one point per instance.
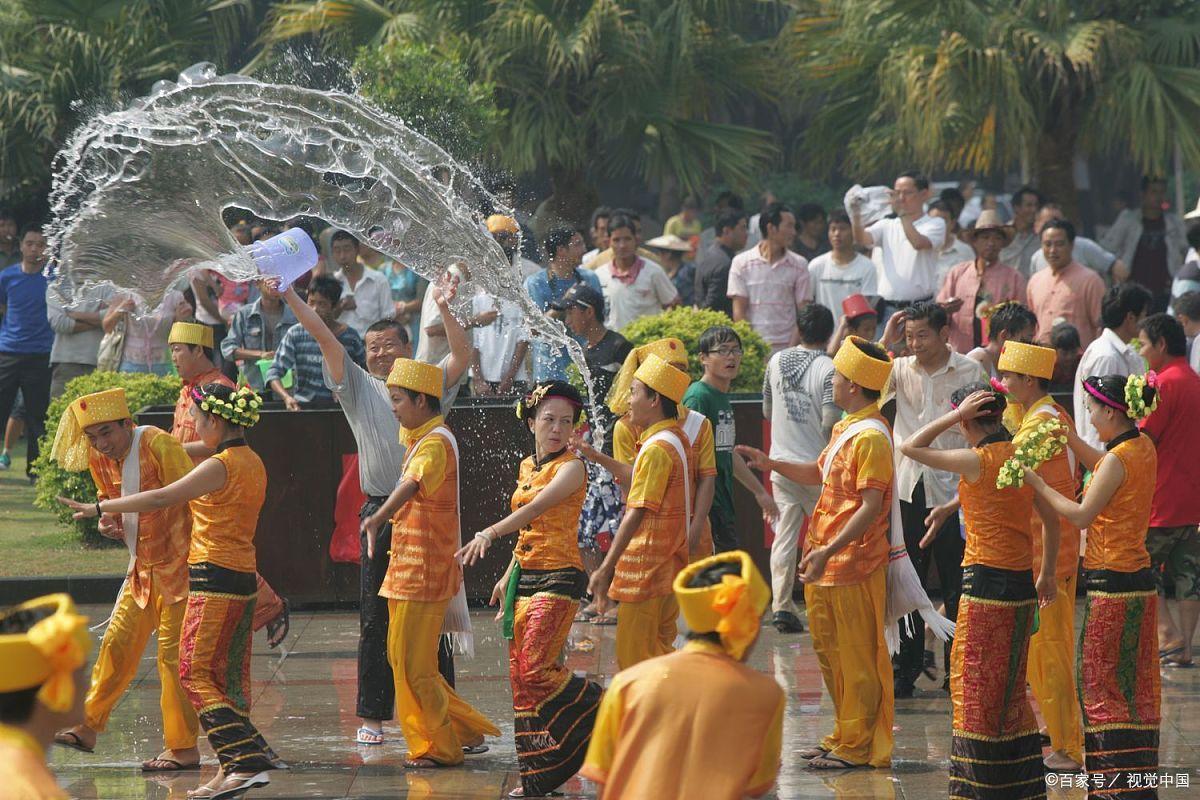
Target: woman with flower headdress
{"x": 1118, "y": 675}
{"x": 225, "y": 493}
{"x": 541, "y": 589}
{"x": 995, "y": 746}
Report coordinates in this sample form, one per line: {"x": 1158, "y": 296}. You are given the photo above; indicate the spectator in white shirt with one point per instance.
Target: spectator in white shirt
{"x": 1187, "y": 311}
{"x": 921, "y": 386}
{"x": 366, "y": 293}
{"x": 633, "y": 286}
{"x": 1086, "y": 251}
{"x": 798, "y": 401}
{"x": 908, "y": 245}
{"x": 954, "y": 250}
{"x": 1123, "y": 308}
{"x": 769, "y": 282}
{"x": 598, "y": 231}
{"x": 843, "y": 271}
{"x": 498, "y": 361}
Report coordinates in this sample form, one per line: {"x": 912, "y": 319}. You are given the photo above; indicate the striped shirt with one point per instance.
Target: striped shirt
{"x": 299, "y": 352}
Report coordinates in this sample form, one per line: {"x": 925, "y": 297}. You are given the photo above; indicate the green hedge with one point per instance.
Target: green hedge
{"x": 687, "y": 325}
{"x": 141, "y": 390}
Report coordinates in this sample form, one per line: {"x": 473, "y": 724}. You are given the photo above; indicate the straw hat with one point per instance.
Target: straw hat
{"x": 669, "y": 242}
{"x": 989, "y": 220}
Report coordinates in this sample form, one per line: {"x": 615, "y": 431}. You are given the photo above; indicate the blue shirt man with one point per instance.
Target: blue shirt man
{"x": 550, "y": 362}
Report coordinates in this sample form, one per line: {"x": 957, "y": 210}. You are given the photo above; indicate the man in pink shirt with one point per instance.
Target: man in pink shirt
{"x": 1172, "y": 540}
{"x": 769, "y": 283}
{"x": 1067, "y": 291}
{"x": 974, "y": 286}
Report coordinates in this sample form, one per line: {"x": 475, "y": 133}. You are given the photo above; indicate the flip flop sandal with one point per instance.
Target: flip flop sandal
{"x": 519, "y": 792}
{"x": 422, "y": 763}
{"x": 585, "y": 616}
{"x": 1172, "y": 663}
{"x": 831, "y": 763}
{"x": 813, "y": 752}
{"x": 72, "y": 740}
{"x": 234, "y": 786}
{"x": 475, "y": 749}
{"x": 171, "y": 765}
{"x": 277, "y": 629}
{"x": 367, "y": 736}
{"x": 604, "y": 619}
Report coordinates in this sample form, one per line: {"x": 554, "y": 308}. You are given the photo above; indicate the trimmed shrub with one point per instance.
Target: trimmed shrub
{"x": 687, "y": 325}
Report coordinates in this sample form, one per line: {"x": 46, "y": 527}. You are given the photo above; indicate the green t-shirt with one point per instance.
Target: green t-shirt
{"x": 714, "y": 404}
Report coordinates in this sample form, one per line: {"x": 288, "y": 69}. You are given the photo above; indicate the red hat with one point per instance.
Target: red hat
{"x": 856, "y": 306}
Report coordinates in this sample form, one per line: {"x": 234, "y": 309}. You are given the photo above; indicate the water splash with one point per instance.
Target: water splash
{"x": 138, "y": 193}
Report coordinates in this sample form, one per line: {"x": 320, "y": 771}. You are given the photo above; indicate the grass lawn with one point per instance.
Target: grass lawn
{"x": 33, "y": 543}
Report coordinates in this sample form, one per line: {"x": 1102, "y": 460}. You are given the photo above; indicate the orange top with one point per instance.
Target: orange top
{"x": 658, "y": 549}
{"x": 1058, "y": 474}
{"x": 184, "y": 427}
{"x": 425, "y": 532}
{"x": 997, "y": 520}
{"x": 862, "y": 463}
{"x": 643, "y": 747}
{"x": 224, "y": 521}
{"x": 23, "y": 765}
{"x": 551, "y": 540}
{"x": 1117, "y": 536}
{"x": 161, "y": 554}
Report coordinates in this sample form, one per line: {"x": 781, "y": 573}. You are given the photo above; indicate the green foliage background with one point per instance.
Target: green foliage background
{"x": 687, "y": 325}
{"x": 141, "y": 390}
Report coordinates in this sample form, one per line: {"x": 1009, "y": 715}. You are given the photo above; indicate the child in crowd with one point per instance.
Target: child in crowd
{"x": 859, "y": 318}
{"x": 1064, "y": 338}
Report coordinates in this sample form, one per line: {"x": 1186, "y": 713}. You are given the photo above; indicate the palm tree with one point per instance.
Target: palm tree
{"x": 980, "y": 85}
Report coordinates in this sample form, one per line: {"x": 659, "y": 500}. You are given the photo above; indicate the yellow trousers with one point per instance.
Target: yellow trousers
{"x": 117, "y": 662}
{"x": 1051, "y": 671}
{"x": 646, "y": 630}
{"x": 846, "y": 623}
{"x": 435, "y": 721}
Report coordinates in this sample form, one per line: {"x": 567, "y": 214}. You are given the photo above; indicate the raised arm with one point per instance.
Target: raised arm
{"x": 1106, "y": 479}
{"x": 208, "y": 477}
{"x": 919, "y": 447}
{"x": 456, "y": 335}
{"x": 1088, "y": 456}
{"x": 331, "y": 349}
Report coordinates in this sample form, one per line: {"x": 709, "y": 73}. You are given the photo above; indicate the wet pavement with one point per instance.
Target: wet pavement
{"x": 304, "y": 704}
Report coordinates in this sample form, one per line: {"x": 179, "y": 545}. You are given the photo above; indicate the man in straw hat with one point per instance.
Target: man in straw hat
{"x": 191, "y": 347}
{"x": 44, "y": 646}
{"x": 845, "y": 561}
{"x": 674, "y": 255}
{"x": 642, "y": 746}
{"x": 1025, "y": 370}
{"x": 423, "y": 576}
{"x": 972, "y": 287}
{"x": 651, "y": 546}
{"x": 98, "y": 433}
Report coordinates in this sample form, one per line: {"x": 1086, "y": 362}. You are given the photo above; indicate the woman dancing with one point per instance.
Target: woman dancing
{"x": 555, "y": 710}
{"x": 225, "y": 493}
{"x": 996, "y": 749}
{"x": 1117, "y": 670}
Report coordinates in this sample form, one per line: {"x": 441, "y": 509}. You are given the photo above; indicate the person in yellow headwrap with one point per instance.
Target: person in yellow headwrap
{"x": 728, "y": 744}
{"x": 225, "y": 494}
{"x": 192, "y": 354}
{"x": 651, "y": 545}
{"x": 1025, "y": 370}
{"x": 845, "y": 562}
{"x": 44, "y": 646}
{"x": 97, "y": 433}
{"x": 423, "y": 575}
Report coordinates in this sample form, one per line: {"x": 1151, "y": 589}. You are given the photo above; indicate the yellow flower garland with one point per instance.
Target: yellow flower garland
{"x": 1045, "y": 442}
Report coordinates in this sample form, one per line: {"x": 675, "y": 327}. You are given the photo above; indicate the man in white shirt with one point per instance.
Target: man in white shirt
{"x": 366, "y": 293}
{"x": 1124, "y": 307}
{"x": 798, "y": 401}
{"x": 498, "y": 359}
{"x": 1086, "y": 251}
{"x": 908, "y": 245}
{"x": 954, "y": 250}
{"x": 633, "y": 286}
{"x": 921, "y": 386}
{"x": 1187, "y": 311}
{"x": 843, "y": 271}
{"x": 599, "y": 234}
{"x": 769, "y": 282}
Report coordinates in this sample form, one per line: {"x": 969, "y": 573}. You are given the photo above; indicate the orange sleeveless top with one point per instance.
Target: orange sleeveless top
{"x": 1117, "y": 536}
{"x": 997, "y": 520}
{"x": 551, "y": 541}
{"x": 1058, "y": 474}
{"x": 224, "y": 521}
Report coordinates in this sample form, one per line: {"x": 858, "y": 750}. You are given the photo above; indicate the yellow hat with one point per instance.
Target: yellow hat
{"x": 853, "y": 363}
{"x": 731, "y": 608}
{"x": 417, "y": 376}
{"x": 48, "y": 653}
{"x": 70, "y": 447}
{"x": 671, "y": 350}
{"x": 191, "y": 333}
{"x": 669, "y": 381}
{"x": 1027, "y": 359}
{"x": 502, "y": 223}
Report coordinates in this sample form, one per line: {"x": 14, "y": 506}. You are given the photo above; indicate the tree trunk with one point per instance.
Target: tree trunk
{"x": 1055, "y": 164}
{"x": 572, "y": 197}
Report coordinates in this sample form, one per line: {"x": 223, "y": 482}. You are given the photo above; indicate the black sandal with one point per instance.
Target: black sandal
{"x": 277, "y": 629}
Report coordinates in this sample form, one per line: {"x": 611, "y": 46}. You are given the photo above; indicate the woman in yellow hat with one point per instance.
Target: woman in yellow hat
{"x": 540, "y": 592}
{"x": 1025, "y": 371}
{"x": 1118, "y": 668}
{"x": 44, "y": 647}
{"x": 727, "y": 744}
{"x": 225, "y": 493}
{"x": 996, "y": 747}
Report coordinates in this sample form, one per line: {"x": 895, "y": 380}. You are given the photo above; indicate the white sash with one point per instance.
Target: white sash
{"x": 1052, "y": 411}
{"x": 457, "y": 623}
{"x": 691, "y": 425}
{"x": 131, "y": 483}
{"x": 670, "y": 438}
{"x": 905, "y": 593}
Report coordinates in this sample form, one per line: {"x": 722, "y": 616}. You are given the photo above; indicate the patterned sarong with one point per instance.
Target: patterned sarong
{"x": 214, "y": 664}
{"x": 996, "y": 751}
{"x": 1119, "y": 683}
{"x": 555, "y": 709}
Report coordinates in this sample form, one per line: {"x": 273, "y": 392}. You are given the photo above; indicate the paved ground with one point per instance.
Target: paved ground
{"x": 304, "y": 704}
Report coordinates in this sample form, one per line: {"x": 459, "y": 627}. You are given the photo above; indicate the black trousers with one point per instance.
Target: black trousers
{"x": 724, "y": 534}
{"x": 376, "y": 685}
{"x": 946, "y": 552}
{"x": 30, "y": 373}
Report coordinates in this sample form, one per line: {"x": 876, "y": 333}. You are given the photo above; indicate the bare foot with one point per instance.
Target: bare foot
{"x": 1058, "y": 761}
